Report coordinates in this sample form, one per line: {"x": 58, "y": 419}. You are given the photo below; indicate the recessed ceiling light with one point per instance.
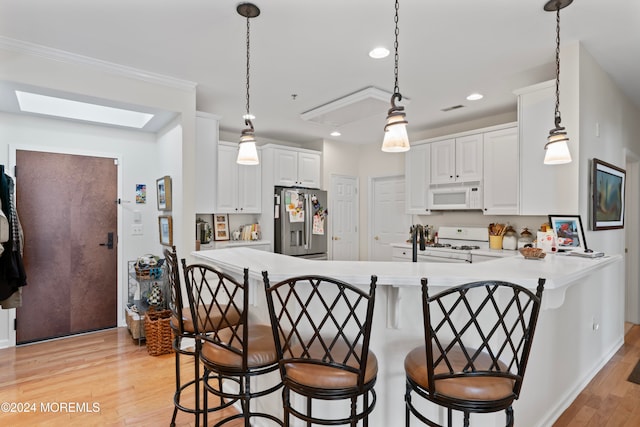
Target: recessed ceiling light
{"x": 60, "y": 107}
{"x": 248, "y": 117}
{"x": 475, "y": 96}
{"x": 335, "y": 133}
{"x": 379, "y": 53}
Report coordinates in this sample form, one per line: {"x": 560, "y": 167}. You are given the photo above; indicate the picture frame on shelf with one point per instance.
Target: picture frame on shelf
{"x": 165, "y": 229}
{"x": 568, "y": 229}
{"x": 607, "y": 194}
{"x": 220, "y": 227}
{"x": 163, "y": 188}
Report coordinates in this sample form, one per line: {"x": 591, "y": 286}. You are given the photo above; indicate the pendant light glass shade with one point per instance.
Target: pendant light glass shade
{"x": 395, "y": 139}
{"x": 556, "y": 149}
{"x": 247, "y": 151}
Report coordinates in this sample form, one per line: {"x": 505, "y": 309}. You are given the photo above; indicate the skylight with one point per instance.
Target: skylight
{"x": 60, "y": 107}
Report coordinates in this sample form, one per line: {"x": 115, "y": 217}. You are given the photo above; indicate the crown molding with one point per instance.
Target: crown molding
{"x": 109, "y": 67}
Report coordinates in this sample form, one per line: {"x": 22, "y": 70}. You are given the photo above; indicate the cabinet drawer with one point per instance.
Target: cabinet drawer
{"x": 403, "y": 254}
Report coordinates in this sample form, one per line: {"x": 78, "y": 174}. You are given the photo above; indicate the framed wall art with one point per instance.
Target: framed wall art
{"x": 221, "y": 227}
{"x": 163, "y": 187}
{"x": 568, "y": 229}
{"x": 165, "y": 228}
{"x": 607, "y": 193}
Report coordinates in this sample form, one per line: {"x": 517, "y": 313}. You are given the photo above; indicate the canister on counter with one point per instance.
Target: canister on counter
{"x": 510, "y": 239}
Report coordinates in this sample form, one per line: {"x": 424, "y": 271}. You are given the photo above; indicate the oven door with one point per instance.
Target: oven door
{"x": 444, "y": 257}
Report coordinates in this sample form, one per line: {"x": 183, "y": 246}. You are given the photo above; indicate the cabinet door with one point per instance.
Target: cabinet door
{"x": 544, "y": 189}
{"x": 468, "y": 161}
{"x": 285, "y": 167}
{"x": 417, "y": 178}
{"x": 227, "y": 200}
{"x": 206, "y": 163}
{"x": 249, "y": 182}
{"x": 443, "y": 161}
{"x": 501, "y": 172}
{"x": 309, "y": 170}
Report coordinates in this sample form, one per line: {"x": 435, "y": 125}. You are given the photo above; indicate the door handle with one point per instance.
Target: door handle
{"x": 109, "y": 243}
{"x": 376, "y": 238}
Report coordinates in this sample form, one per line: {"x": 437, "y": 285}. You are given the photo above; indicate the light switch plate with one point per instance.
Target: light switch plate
{"x": 137, "y": 230}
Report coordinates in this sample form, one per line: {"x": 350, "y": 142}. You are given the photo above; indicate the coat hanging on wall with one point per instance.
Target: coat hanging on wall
{"x": 12, "y": 273}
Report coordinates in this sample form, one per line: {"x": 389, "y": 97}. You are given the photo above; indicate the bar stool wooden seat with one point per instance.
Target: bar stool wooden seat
{"x": 183, "y": 328}
{"x": 477, "y": 342}
{"x": 233, "y": 353}
{"x": 322, "y": 328}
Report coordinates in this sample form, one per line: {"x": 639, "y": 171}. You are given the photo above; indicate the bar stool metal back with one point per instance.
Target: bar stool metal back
{"x": 233, "y": 350}
{"x": 477, "y": 342}
{"x": 182, "y": 327}
{"x": 322, "y": 328}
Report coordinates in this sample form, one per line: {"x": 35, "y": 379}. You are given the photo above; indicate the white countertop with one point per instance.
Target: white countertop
{"x": 489, "y": 252}
{"x": 559, "y": 271}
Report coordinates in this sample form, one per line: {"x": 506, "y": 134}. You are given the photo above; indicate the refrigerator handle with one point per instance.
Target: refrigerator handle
{"x": 307, "y": 222}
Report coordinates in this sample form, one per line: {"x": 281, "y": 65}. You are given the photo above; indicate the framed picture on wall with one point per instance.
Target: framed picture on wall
{"x": 163, "y": 187}
{"x": 221, "y": 227}
{"x": 165, "y": 228}
{"x": 607, "y": 193}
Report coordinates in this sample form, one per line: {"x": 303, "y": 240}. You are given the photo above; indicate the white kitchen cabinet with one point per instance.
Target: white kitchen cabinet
{"x": 417, "y": 179}
{"x": 500, "y": 176}
{"x": 544, "y": 189}
{"x": 295, "y": 167}
{"x": 206, "y": 162}
{"x": 238, "y": 185}
{"x": 456, "y": 160}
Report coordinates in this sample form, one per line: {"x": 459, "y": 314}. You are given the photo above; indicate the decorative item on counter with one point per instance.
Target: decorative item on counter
{"x": 496, "y": 234}
{"x": 547, "y": 241}
{"x": 510, "y": 239}
{"x": 526, "y": 238}
{"x": 532, "y": 253}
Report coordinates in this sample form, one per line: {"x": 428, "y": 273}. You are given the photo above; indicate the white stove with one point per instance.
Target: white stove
{"x": 455, "y": 244}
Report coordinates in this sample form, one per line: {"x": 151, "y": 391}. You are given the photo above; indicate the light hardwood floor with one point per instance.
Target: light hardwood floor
{"x": 132, "y": 388}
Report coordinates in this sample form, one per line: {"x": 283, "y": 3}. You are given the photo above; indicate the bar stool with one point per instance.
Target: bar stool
{"x": 232, "y": 353}
{"x": 322, "y": 328}
{"x": 183, "y": 327}
{"x": 477, "y": 342}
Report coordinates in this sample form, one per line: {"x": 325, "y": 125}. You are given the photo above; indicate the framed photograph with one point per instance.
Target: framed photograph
{"x": 570, "y": 233}
{"x": 163, "y": 187}
{"x": 165, "y": 228}
{"x": 607, "y": 193}
{"x": 220, "y": 227}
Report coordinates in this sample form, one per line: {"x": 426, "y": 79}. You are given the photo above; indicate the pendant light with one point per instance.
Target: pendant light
{"x": 396, "y": 139}
{"x": 247, "y": 152}
{"x": 557, "y": 150}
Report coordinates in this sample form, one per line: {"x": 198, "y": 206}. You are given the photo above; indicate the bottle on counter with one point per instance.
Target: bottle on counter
{"x": 510, "y": 239}
{"x": 526, "y": 238}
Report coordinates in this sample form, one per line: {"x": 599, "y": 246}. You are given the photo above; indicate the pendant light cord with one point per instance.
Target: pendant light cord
{"x": 557, "y": 112}
{"x": 247, "y": 119}
{"x": 396, "y": 89}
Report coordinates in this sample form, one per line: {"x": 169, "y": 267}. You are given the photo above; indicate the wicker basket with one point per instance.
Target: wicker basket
{"x": 148, "y": 273}
{"x": 158, "y": 332}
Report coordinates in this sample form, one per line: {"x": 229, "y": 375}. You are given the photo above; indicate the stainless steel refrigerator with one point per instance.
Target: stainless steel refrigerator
{"x": 301, "y": 222}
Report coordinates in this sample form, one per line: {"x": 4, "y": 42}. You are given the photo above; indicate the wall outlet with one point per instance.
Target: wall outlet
{"x": 136, "y": 230}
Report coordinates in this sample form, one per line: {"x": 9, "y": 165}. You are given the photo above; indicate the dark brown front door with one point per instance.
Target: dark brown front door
{"x": 67, "y": 208}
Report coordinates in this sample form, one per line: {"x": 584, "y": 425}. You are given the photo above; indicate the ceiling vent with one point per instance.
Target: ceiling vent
{"x": 455, "y": 107}
{"x": 359, "y": 105}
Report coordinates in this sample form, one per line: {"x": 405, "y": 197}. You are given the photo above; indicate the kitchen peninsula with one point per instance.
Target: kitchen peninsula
{"x": 576, "y": 332}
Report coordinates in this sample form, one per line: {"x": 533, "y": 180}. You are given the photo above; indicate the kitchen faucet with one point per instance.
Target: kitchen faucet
{"x": 417, "y": 238}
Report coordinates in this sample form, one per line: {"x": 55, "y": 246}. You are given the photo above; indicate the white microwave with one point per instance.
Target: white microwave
{"x": 455, "y": 198}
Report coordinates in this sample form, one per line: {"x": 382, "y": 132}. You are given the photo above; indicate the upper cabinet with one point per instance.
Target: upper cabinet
{"x": 238, "y": 185}
{"x": 501, "y": 169}
{"x": 296, "y": 167}
{"x": 544, "y": 189}
{"x": 456, "y": 160}
{"x": 206, "y": 162}
{"x": 417, "y": 178}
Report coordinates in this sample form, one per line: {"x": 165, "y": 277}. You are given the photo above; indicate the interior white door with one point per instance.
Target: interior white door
{"x": 388, "y": 221}
{"x": 632, "y": 246}
{"x": 344, "y": 218}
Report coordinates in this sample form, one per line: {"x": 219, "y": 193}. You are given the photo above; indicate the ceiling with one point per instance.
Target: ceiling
{"x": 306, "y": 53}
